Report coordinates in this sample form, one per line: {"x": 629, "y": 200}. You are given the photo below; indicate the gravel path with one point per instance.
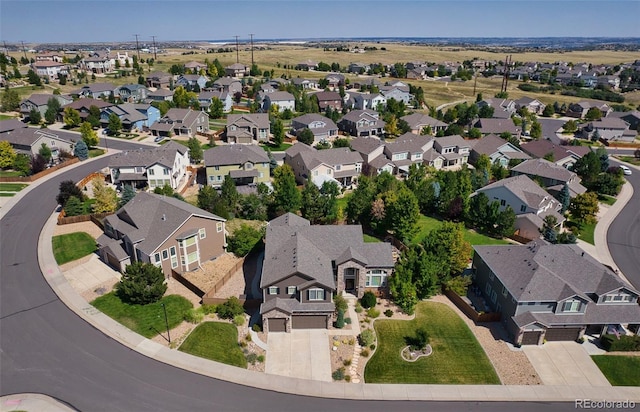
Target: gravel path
{"x": 512, "y": 366}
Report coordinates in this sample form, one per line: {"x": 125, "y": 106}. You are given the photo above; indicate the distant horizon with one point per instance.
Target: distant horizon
{"x": 117, "y": 21}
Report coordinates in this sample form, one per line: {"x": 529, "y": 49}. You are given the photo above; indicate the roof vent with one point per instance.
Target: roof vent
{"x": 164, "y": 217}
{"x": 582, "y": 254}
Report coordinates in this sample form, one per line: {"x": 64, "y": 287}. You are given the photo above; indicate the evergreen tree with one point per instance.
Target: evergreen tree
{"x": 306, "y": 136}
{"x": 74, "y": 207}
{"x": 67, "y": 189}
{"x": 80, "y": 150}
{"x": 277, "y": 129}
{"x": 34, "y": 116}
{"x": 45, "y": 152}
{"x": 195, "y": 150}
{"x": 141, "y": 284}
{"x": 114, "y": 125}
{"x": 564, "y": 197}
{"x": 286, "y": 196}
{"x": 53, "y": 107}
{"x": 128, "y": 193}
{"x": 229, "y": 194}
{"x": 311, "y": 203}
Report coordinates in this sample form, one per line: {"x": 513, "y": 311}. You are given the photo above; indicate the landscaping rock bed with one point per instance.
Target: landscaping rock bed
{"x": 413, "y": 355}
{"x": 211, "y": 272}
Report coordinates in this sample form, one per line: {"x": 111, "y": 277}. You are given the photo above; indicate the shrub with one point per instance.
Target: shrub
{"x": 366, "y": 337}
{"x": 340, "y": 302}
{"x": 364, "y": 353}
{"x": 248, "y": 337}
{"x": 260, "y": 358}
{"x": 340, "y": 319}
{"x": 338, "y": 374}
{"x": 421, "y": 339}
{"x": 358, "y": 308}
{"x": 208, "y": 309}
{"x": 194, "y": 316}
{"x": 238, "y": 320}
{"x": 458, "y": 285}
{"x": 243, "y": 344}
{"x": 230, "y": 309}
{"x": 624, "y": 344}
{"x": 373, "y": 313}
{"x": 252, "y": 358}
{"x": 347, "y": 378}
{"x": 256, "y": 327}
{"x": 347, "y": 362}
{"x": 388, "y": 313}
{"x": 347, "y": 321}
{"x": 372, "y": 346}
{"x": 368, "y": 300}
{"x": 244, "y": 239}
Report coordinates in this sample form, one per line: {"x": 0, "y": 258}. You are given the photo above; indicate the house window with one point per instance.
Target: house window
{"x": 571, "y": 306}
{"x": 491, "y": 276}
{"x": 165, "y": 171}
{"x": 376, "y": 278}
{"x": 165, "y": 254}
{"x": 273, "y": 290}
{"x": 219, "y": 227}
{"x": 338, "y": 167}
{"x": 291, "y": 290}
{"x": 503, "y": 202}
{"x": 139, "y": 170}
{"x": 316, "y": 294}
{"x": 261, "y": 175}
{"x": 523, "y": 208}
{"x": 202, "y": 233}
{"x": 156, "y": 258}
{"x": 174, "y": 257}
{"x": 152, "y": 172}
{"x": 328, "y": 171}
{"x": 216, "y": 167}
{"x": 315, "y": 173}
{"x": 504, "y": 291}
{"x": 219, "y": 178}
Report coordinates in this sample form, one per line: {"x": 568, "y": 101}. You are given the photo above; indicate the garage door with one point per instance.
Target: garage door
{"x": 277, "y": 325}
{"x": 531, "y": 337}
{"x": 309, "y": 322}
{"x": 562, "y": 334}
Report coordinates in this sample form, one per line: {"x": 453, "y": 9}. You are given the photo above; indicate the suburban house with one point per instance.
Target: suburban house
{"x": 551, "y": 175}
{"x": 238, "y": 70}
{"x": 329, "y": 99}
{"x": 10, "y": 125}
{"x": 407, "y": 150}
{"x": 50, "y": 69}
{"x": 39, "y": 101}
{"x": 305, "y": 264}
{"x": 396, "y": 94}
{"x": 419, "y": 122}
{"x": 160, "y": 95}
{"x": 322, "y": 127}
{"x": 284, "y": 100}
{"x": 372, "y": 151}
{"x": 248, "y": 128}
{"x": 502, "y": 108}
{"x": 307, "y": 65}
{"x": 497, "y": 149}
{"x": 498, "y": 126}
{"x": 529, "y": 202}
{"x": 358, "y": 68}
{"x": 164, "y": 231}
{"x": 340, "y": 164}
{"x": 206, "y": 99}
{"x": 580, "y": 109}
{"x": 564, "y": 156}
{"x": 334, "y": 80}
{"x": 552, "y": 129}
{"x": 181, "y": 122}
{"x": 152, "y": 167}
{"x": 98, "y": 63}
{"x": 608, "y": 129}
{"x": 190, "y": 81}
{"x": 50, "y": 56}
{"x": 133, "y": 116}
{"x": 195, "y": 67}
{"x": 95, "y": 90}
{"x": 534, "y": 106}
{"x": 246, "y": 164}
{"x": 159, "y": 80}
{"x": 132, "y": 93}
{"x": 552, "y": 292}
{"x": 304, "y": 83}
{"x": 362, "y": 123}
{"x": 454, "y": 149}
{"x": 83, "y": 106}
{"x": 227, "y": 84}
{"x": 28, "y": 140}
{"x": 371, "y": 101}
{"x": 632, "y": 117}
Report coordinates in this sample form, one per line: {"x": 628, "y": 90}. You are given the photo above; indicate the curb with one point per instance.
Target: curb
{"x": 32, "y": 402}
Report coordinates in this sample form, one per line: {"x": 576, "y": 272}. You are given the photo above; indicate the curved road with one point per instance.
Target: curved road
{"x": 46, "y": 348}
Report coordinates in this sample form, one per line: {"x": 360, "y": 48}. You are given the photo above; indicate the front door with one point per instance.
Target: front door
{"x": 349, "y": 285}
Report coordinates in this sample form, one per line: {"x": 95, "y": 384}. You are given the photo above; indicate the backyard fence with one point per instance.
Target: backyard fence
{"x": 94, "y": 217}
{"x": 37, "y": 176}
{"x": 469, "y": 311}
{"x": 186, "y": 283}
{"x": 223, "y": 281}
{"x": 207, "y": 297}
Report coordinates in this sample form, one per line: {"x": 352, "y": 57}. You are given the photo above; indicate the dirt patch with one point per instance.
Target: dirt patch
{"x": 208, "y": 275}
{"x": 104, "y": 288}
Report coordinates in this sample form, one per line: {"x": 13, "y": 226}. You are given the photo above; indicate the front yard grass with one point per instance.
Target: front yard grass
{"x": 146, "y": 320}
{"x": 217, "y": 341}
{"x": 630, "y": 159}
{"x": 457, "y": 356}
{"x": 12, "y": 187}
{"x": 606, "y": 199}
{"x": 72, "y": 246}
{"x": 96, "y": 152}
{"x": 585, "y": 230}
{"x": 619, "y": 370}
{"x": 10, "y": 173}
{"x": 279, "y": 148}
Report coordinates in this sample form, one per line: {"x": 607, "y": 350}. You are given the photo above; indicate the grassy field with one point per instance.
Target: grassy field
{"x": 426, "y": 224}
{"x": 216, "y": 341}
{"x": 72, "y": 246}
{"x": 147, "y": 320}
{"x": 457, "y": 356}
{"x": 12, "y": 187}
{"x": 619, "y": 370}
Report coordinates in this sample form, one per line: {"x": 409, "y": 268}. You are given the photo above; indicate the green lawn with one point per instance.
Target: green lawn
{"x": 457, "y": 356}
{"x": 7, "y": 194}
{"x": 281, "y": 148}
{"x": 147, "y": 320}
{"x": 370, "y": 239}
{"x": 606, "y": 199}
{"x": 10, "y": 173}
{"x": 217, "y": 341}
{"x": 12, "y": 187}
{"x": 585, "y": 231}
{"x": 6, "y": 117}
{"x": 619, "y": 370}
{"x": 342, "y": 202}
{"x": 426, "y": 224}
{"x": 96, "y": 152}
{"x": 630, "y": 159}
{"x": 72, "y": 246}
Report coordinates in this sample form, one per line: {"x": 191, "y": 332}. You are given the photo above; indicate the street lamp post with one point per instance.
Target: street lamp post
{"x": 166, "y": 321}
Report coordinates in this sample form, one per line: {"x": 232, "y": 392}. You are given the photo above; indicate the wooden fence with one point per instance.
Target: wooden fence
{"x": 207, "y": 297}
{"x": 520, "y": 239}
{"x": 187, "y": 283}
{"x": 81, "y": 184}
{"x": 223, "y": 281}
{"x": 32, "y": 178}
{"x": 94, "y": 217}
{"x": 469, "y": 311}
{"x": 192, "y": 178}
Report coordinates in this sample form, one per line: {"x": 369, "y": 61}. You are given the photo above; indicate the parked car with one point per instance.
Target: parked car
{"x": 158, "y": 139}
{"x": 625, "y": 170}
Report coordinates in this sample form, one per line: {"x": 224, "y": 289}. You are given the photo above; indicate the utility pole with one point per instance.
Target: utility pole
{"x": 155, "y": 56}
{"x": 237, "y": 56}
{"x": 137, "y": 46}
{"x": 24, "y": 50}
{"x": 475, "y": 80}
{"x": 505, "y": 79}
{"x": 251, "y": 49}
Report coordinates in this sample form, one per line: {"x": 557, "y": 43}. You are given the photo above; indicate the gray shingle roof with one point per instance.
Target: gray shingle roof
{"x": 491, "y": 144}
{"x": 544, "y": 168}
{"x": 260, "y": 120}
{"x": 152, "y": 218}
{"x": 366, "y": 145}
{"x": 415, "y": 120}
{"x": 497, "y": 126}
{"x": 522, "y": 187}
{"x": 28, "y": 136}
{"x": 11, "y": 124}
{"x": 234, "y": 155}
{"x": 164, "y": 155}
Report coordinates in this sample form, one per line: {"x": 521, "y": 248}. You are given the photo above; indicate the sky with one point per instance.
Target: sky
{"x": 63, "y": 21}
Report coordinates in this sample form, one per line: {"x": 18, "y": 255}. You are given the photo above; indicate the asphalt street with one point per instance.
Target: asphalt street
{"x": 46, "y": 348}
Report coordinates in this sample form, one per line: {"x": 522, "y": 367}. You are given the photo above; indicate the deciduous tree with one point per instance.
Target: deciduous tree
{"x": 71, "y": 117}
{"x": 286, "y": 196}
{"x": 89, "y": 136}
{"x": 584, "y": 207}
{"x": 7, "y": 154}
{"x": 306, "y": 136}
{"x": 195, "y": 150}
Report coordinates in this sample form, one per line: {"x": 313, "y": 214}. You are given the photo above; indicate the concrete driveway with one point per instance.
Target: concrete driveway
{"x": 564, "y": 363}
{"x": 89, "y": 273}
{"x": 300, "y": 354}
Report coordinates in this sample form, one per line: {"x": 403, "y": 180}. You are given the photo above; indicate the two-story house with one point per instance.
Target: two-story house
{"x": 246, "y": 164}
{"x": 497, "y": 149}
{"x": 97, "y": 62}
{"x": 283, "y": 100}
{"x": 181, "y": 122}
{"x": 227, "y": 84}
{"x": 502, "y": 108}
{"x": 530, "y": 203}
{"x": 164, "y": 231}
{"x": 362, "y": 123}
{"x": 396, "y": 94}
{"x": 304, "y": 83}
{"x": 534, "y": 106}
{"x": 83, "y": 106}
{"x": 160, "y": 95}
{"x": 159, "y": 80}
{"x": 454, "y": 149}
{"x": 498, "y": 126}
{"x": 50, "y": 69}
{"x": 340, "y": 164}
{"x": 580, "y": 109}
{"x": 95, "y": 90}
{"x": 407, "y": 150}
{"x": 551, "y": 175}
{"x": 362, "y": 101}
{"x": 39, "y": 102}
{"x": 608, "y": 129}
{"x": 133, "y": 116}
{"x": 322, "y": 127}
{"x": 132, "y": 93}
{"x": 372, "y": 151}
{"x": 206, "y": 99}
{"x": 192, "y": 81}
{"x": 329, "y": 99}
{"x": 565, "y": 156}
{"x": 152, "y": 167}
{"x": 552, "y": 292}
{"x": 237, "y": 70}
{"x": 305, "y": 264}
{"x": 335, "y": 80}
{"x": 418, "y": 122}
{"x": 248, "y": 128}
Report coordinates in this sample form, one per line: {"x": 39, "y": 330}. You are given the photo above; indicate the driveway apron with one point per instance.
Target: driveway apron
{"x": 300, "y": 354}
